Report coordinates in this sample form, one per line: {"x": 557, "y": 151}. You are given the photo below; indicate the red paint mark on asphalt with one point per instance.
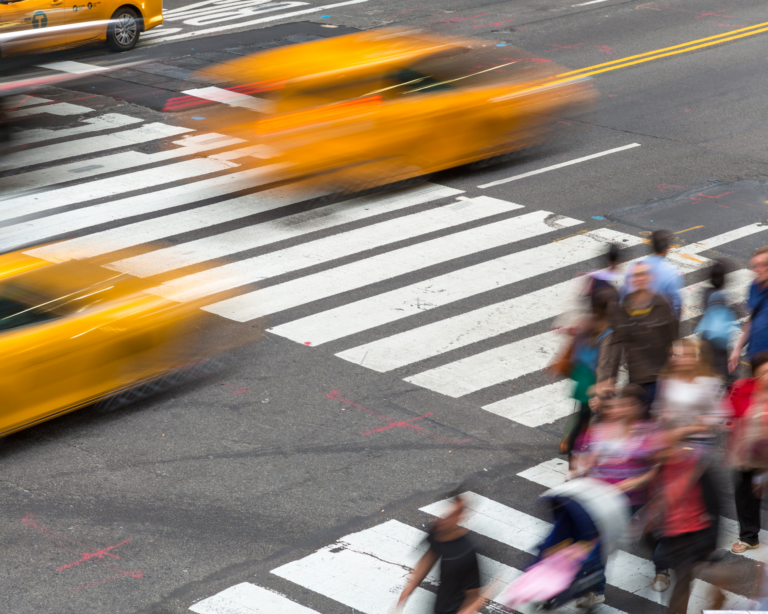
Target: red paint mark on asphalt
{"x": 605, "y": 49}
{"x": 498, "y": 23}
{"x": 699, "y": 198}
{"x": 84, "y": 552}
{"x": 307, "y": 343}
{"x": 391, "y": 423}
{"x": 99, "y": 554}
{"x": 611, "y": 95}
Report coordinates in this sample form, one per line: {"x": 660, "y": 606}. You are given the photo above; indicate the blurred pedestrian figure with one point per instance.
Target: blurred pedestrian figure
{"x": 719, "y": 322}
{"x": 688, "y": 398}
{"x": 666, "y": 279}
{"x": 688, "y": 517}
{"x": 645, "y": 328}
{"x": 754, "y": 335}
{"x": 605, "y": 280}
{"x": 459, "y": 590}
{"x": 747, "y": 449}
{"x": 591, "y": 364}
{"x": 620, "y": 449}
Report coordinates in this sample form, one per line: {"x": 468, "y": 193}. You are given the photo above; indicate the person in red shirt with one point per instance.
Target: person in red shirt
{"x": 689, "y": 516}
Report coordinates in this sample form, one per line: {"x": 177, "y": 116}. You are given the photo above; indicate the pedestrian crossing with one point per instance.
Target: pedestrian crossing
{"x": 367, "y": 570}
{"x": 386, "y": 282}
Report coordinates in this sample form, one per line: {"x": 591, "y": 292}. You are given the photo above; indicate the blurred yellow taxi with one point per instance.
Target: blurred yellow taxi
{"x": 74, "y": 333}
{"x": 357, "y": 111}
{"x": 45, "y": 25}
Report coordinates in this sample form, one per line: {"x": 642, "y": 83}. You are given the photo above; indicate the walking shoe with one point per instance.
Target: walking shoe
{"x": 589, "y": 600}
{"x": 741, "y": 547}
{"x": 661, "y": 581}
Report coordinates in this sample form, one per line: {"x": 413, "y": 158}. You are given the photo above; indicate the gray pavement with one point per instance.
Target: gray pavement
{"x": 222, "y": 481}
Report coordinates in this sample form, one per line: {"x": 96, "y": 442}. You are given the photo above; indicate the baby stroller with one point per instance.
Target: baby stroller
{"x": 590, "y": 518}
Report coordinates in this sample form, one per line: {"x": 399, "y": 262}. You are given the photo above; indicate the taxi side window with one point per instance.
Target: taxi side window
{"x": 16, "y": 312}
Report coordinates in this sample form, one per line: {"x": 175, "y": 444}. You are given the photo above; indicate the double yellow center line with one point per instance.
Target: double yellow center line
{"x": 666, "y": 51}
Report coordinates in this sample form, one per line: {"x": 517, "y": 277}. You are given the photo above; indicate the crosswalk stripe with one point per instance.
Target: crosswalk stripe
{"x": 250, "y": 237}
{"x": 58, "y": 108}
{"x": 91, "y": 145}
{"x": 81, "y": 169}
{"x": 539, "y": 406}
{"x": 552, "y": 473}
{"x": 509, "y": 526}
{"x": 552, "y": 402}
{"x": 69, "y": 221}
{"x": 327, "y": 249}
{"x": 386, "y": 266}
{"x": 395, "y": 351}
{"x": 23, "y": 100}
{"x": 233, "y": 99}
{"x": 470, "y": 327}
{"x": 76, "y": 68}
{"x": 89, "y": 124}
{"x": 113, "y": 186}
{"x": 247, "y": 598}
{"x": 519, "y": 358}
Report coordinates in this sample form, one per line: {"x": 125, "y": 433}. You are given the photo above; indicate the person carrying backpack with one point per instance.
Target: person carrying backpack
{"x": 719, "y": 322}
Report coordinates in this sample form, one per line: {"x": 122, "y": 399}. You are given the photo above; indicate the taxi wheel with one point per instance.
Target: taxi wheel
{"x": 123, "y": 32}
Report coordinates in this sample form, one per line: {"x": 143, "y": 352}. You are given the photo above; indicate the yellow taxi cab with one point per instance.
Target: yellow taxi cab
{"x": 358, "y": 111}
{"x": 74, "y": 333}
{"x": 45, "y": 25}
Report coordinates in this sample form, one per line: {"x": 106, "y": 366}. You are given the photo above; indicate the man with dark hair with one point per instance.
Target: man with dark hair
{"x": 644, "y": 330}
{"x": 667, "y": 280}
{"x": 754, "y": 335}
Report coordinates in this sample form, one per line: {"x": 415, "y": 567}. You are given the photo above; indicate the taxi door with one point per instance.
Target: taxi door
{"x": 31, "y": 25}
{"x": 87, "y": 19}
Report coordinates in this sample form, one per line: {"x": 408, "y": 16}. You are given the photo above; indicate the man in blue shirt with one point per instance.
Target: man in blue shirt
{"x": 755, "y": 331}
{"x": 666, "y": 279}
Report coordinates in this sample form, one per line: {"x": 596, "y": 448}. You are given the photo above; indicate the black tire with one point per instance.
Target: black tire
{"x": 124, "y": 30}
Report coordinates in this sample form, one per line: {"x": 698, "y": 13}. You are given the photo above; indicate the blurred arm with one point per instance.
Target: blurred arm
{"x": 417, "y": 577}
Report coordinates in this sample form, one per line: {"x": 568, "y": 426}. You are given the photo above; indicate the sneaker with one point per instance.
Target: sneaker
{"x": 661, "y": 581}
{"x": 589, "y": 600}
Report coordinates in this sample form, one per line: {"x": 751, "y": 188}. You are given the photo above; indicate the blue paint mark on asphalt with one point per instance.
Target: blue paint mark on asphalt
{"x": 598, "y": 217}
{"x": 198, "y": 118}
{"x": 502, "y": 45}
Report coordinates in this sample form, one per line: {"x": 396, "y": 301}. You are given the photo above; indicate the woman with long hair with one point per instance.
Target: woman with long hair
{"x": 689, "y": 394}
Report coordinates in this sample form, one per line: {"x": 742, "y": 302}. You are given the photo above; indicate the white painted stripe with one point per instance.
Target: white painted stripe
{"x": 538, "y": 406}
{"x": 188, "y": 145}
{"x": 112, "y": 186}
{"x": 233, "y": 99}
{"x": 234, "y": 26}
{"x": 35, "y": 230}
{"x": 109, "y": 121}
{"x": 156, "y": 228}
{"x": 247, "y": 598}
{"x": 470, "y": 327}
{"x": 588, "y": 3}
{"x": 75, "y": 68}
{"x": 438, "y": 291}
{"x": 561, "y": 165}
{"x": 386, "y": 266}
{"x": 550, "y": 473}
{"x": 91, "y": 145}
{"x": 58, "y": 108}
{"x": 23, "y": 100}
{"x": 323, "y": 250}
{"x": 250, "y": 237}
{"x": 523, "y": 532}
{"x": 520, "y": 358}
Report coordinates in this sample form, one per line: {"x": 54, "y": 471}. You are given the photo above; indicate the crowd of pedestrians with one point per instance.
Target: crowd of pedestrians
{"x": 653, "y": 397}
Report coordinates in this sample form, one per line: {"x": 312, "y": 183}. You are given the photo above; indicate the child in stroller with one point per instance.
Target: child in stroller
{"x": 590, "y": 518}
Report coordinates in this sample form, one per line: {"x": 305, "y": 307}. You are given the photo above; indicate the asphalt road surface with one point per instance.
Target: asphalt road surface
{"x": 407, "y": 333}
